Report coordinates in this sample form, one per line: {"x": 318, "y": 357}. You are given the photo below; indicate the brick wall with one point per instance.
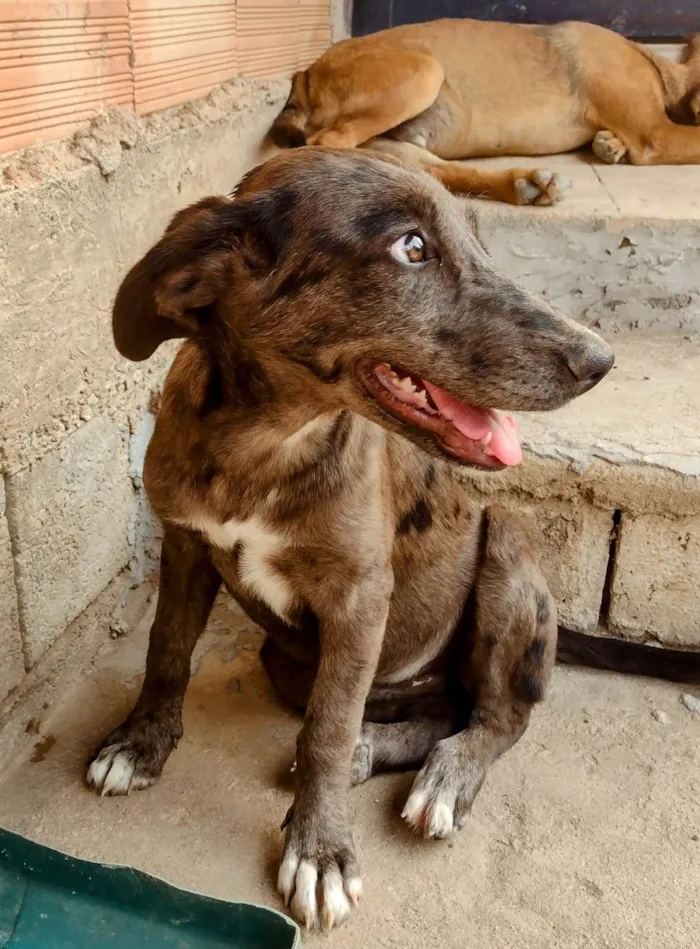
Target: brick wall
{"x": 61, "y": 62}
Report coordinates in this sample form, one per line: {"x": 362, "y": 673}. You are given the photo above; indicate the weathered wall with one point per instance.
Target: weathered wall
{"x": 76, "y": 532}
{"x": 74, "y": 417}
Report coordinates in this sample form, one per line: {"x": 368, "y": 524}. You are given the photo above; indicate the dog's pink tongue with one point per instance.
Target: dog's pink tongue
{"x": 475, "y": 423}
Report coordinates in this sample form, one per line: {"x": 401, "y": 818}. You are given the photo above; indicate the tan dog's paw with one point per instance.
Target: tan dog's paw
{"x": 609, "y": 148}
{"x": 540, "y": 187}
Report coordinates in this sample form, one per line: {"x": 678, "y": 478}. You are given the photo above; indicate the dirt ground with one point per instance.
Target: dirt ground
{"x": 585, "y": 835}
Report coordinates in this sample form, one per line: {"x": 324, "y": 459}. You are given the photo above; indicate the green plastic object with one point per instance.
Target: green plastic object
{"x": 49, "y": 900}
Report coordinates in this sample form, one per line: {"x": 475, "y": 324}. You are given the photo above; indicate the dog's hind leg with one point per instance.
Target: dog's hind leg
{"x": 632, "y": 113}
{"x": 519, "y": 186}
{"x": 506, "y": 669}
{"x": 133, "y": 755}
{"x": 397, "y": 746}
{"x": 360, "y": 100}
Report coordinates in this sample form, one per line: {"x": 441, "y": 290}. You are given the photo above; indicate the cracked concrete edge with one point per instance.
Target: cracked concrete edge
{"x": 582, "y": 458}
{"x": 115, "y": 131}
{"x": 639, "y": 489}
{"x": 621, "y": 274}
{"x": 69, "y": 660}
{"x": 651, "y": 580}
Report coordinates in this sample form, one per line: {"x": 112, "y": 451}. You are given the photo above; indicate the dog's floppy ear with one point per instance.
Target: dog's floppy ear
{"x": 168, "y": 293}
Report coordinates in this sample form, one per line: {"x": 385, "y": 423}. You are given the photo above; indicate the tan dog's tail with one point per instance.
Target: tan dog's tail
{"x": 289, "y": 128}
{"x": 692, "y": 46}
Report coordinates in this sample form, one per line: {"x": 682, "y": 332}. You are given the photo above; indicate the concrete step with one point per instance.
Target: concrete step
{"x": 621, "y": 251}
{"x": 612, "y": 485}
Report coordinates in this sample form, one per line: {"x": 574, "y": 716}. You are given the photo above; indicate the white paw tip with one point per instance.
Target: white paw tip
{"x": 527, "y": 192}
{"x": 563, "y": 183}
{"x": 354, "y": 889}
{"x": 543, "y": 178}
{"x": 440, "y": 821}
{"x": 415, "y": 808}
{"x": 113, "y": 774}
{"x": 97, "y": 772}
{"x": 286, "y": 875}
{"x": 336, "y": 907}
{"x": 304, "y": 902}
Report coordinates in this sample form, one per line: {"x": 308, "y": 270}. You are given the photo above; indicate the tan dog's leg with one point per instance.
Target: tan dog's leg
{"x": 660, "y": 143}
{"x": 415, "y": 81}
{"x": 512, "y": 655}
{"x": 513, "y": 186}
{"x": 634, "y": 124}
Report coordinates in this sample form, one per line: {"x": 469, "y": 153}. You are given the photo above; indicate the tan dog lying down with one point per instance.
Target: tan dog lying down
{"x": 430, "y": 93}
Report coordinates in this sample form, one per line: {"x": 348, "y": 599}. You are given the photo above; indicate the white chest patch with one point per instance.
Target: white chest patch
{"x": 258, "y": 544}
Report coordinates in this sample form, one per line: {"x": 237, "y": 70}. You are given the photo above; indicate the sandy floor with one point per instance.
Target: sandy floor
{"x": 587, "y": 834}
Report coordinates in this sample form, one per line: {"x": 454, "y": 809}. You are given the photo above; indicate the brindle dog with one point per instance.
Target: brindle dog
{"x": 350, "y": 343}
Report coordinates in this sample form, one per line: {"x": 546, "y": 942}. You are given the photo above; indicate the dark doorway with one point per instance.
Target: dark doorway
{"x": 640, "y": 19}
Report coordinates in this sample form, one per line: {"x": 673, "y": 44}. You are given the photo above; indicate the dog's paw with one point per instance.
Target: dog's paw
{"x": 118, "y": 770}
{"x": 319, "y": 877}
{"x": 609, "y": 148}
{"x": 130, "y": 759}
{"x": 362, "y": 760}
{"x": 443, "y": 792}
{"x": 540, "y": 187}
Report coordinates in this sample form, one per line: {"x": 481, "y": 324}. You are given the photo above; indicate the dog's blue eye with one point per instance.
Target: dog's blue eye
{"x": 409, "y": 249}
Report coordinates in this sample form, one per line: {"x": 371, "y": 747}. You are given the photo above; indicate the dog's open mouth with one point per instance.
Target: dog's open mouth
{"x": 476, "y": 436}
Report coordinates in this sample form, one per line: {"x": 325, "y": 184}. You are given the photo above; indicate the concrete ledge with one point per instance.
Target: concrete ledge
{"x": 68, "y": 661}
{"x": 621, "y": 251}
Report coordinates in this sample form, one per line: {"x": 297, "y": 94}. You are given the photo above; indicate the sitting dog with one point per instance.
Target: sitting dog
{"x": 350, "y": 347}
{"x": 431, "y": 93}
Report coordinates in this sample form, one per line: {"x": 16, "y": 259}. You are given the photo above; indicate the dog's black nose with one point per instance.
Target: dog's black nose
{"x": 589, "y": 367}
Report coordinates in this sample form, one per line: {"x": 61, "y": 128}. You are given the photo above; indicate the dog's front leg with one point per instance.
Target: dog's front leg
{"x": 132, "y": 756}
{"x": 319, "y": 871}
{"x": 506, "y": 667}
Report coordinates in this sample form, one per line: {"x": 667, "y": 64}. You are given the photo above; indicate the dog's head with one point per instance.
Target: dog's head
{"x": 350, "y": 281}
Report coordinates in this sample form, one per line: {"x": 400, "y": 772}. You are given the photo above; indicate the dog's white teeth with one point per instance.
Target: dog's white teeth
{"x": 486, "y": 440}
{"x": 422, "y": 396}
{"x": 407, "y": 384}
{"x": 487, "y": 451}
